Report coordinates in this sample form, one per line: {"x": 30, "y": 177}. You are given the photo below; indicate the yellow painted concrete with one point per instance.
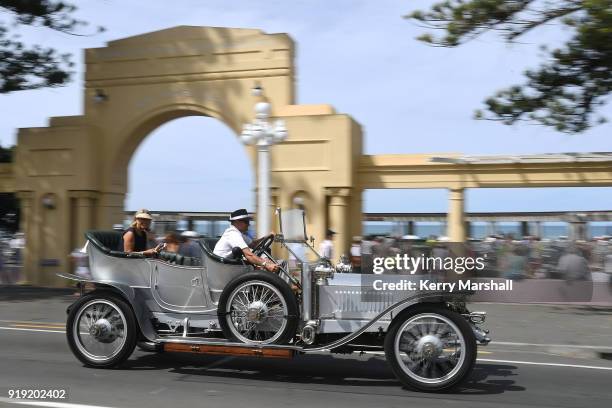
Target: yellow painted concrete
{"x": 7, "y": 178}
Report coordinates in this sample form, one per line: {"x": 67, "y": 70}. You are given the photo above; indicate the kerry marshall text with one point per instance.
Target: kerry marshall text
{"x": 429, "y": 285}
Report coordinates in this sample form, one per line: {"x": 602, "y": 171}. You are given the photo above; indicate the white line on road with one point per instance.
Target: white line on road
{"x": 579, "y": 346}
{"x": 488, "y": 360}
{"x": 30, "y": 321}
{"x": 34, "y": 330}
{"x": 50, "y": 404}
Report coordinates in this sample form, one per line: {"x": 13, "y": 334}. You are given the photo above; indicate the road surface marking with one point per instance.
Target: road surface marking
{"x": 31, "y": 322}
{"x": 39, "y": 326}
{"x": 544, "y": 364}
{"x": 34, "y": 330}
{"x": 509, "y": 343}
{"x": 49, "y": 404}
{"x": 523, "y": 362}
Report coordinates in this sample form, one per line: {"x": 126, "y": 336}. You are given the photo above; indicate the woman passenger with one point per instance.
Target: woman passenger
{"x": 136, "y": 237}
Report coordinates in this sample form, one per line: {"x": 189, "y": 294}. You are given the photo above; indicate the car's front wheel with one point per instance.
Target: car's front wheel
{"x": 430, "y": 348}
{"x": 101, "y": 330}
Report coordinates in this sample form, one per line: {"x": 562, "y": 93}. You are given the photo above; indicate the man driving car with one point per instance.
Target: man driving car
{"x": 235, "y": 236}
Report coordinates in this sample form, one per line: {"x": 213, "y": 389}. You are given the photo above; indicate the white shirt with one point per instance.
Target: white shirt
{"x": 232, "y": 237}
{"x": 326, "y": 249}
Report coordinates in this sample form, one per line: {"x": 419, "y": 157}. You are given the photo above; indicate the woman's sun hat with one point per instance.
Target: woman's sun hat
{"x": 143, "y": 214}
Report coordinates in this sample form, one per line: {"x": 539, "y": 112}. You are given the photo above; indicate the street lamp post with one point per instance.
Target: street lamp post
{"x": 263, "y": 134}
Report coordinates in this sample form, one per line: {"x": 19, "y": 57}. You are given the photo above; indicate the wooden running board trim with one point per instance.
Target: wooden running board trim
{"x": 244, "y": 351}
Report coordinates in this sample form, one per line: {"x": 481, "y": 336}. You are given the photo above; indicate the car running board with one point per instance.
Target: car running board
{"x": 228, "y": 349}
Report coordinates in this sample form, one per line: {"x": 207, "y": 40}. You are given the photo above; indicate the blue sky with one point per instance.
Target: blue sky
{"x": 359, "y": 56}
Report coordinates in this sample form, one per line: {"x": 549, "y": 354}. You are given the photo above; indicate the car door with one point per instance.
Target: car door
{"x": 178, "y": 287}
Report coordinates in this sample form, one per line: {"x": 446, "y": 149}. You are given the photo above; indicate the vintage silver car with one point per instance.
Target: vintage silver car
{"x": 214, "y": 305}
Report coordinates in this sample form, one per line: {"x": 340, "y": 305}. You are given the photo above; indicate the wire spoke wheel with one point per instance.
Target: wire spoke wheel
{"x": 101, "y": 330}
{"x": 430, "y": 348}
{"x": 257, "y": 312}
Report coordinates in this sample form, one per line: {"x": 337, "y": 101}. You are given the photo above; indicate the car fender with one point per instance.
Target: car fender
{"x": 127, "y": 293}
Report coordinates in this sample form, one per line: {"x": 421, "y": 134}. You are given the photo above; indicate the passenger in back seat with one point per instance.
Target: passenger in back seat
{"x": 172, "y": 243}
{"x": 189, "y": 246}
{"x": 136, "y": 237}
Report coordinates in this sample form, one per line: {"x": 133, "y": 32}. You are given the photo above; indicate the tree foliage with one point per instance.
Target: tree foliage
{"x": 7, "y": 154}
{"x": 9, "y": 206}
{"x": 30, "y": 67}
{"x": 566, "y": 91}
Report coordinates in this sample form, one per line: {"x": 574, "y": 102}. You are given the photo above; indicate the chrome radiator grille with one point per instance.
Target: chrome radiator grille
{"x": 354, "y": 302}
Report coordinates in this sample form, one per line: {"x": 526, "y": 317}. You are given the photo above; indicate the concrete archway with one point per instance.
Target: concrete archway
{"x": 135, "y": 134}
{"x": 193, "y": 162}
{"x": 134, "y": 85}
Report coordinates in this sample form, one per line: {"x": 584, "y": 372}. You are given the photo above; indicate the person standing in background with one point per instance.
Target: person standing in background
{"x": 17, "y": 244}
{"x": 356, "y": 254}
{"x": 326, "y": 248}
{"x": 366, "y": 254}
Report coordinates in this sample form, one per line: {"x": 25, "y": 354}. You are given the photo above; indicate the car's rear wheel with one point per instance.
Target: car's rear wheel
{"x": 258, "y": 307}
{"x": 430, "y": 348}
{"x": 101, "y": 330}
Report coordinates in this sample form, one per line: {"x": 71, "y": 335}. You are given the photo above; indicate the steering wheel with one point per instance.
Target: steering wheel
{"x": 263, "y": 245}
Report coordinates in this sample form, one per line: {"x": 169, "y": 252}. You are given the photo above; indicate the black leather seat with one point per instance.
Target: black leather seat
{"x": 178, "y": 259}
{"x": 108, "y": 239}
{"x": 208, "y": 244}
{"x": 109, "y": 243}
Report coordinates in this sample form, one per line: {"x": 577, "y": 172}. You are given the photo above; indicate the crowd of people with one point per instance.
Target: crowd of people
{"x": 11, "y": 253}
{"x": 505, "y": 256}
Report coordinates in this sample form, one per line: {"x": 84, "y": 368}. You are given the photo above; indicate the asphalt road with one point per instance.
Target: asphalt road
{"x": 520, "y": 369}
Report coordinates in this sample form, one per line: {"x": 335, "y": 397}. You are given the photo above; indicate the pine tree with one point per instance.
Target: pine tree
{"x": 30, "y": 67}
{"x": 567, "y": 89}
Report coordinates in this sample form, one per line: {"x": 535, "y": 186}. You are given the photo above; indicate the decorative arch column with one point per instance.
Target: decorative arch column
{"x": 338, "y": 218}
{"x": 456, "y": 215}
{"x": 83, "y": 214}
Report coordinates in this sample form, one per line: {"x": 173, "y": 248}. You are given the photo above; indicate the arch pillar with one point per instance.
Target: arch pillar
{"x": 110, "y": 209}
{"x": 83, "y": 214}
{"x": 355, "y": 220}
{"x": 338, "y": 213}
{"x": 456, "y": 215}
